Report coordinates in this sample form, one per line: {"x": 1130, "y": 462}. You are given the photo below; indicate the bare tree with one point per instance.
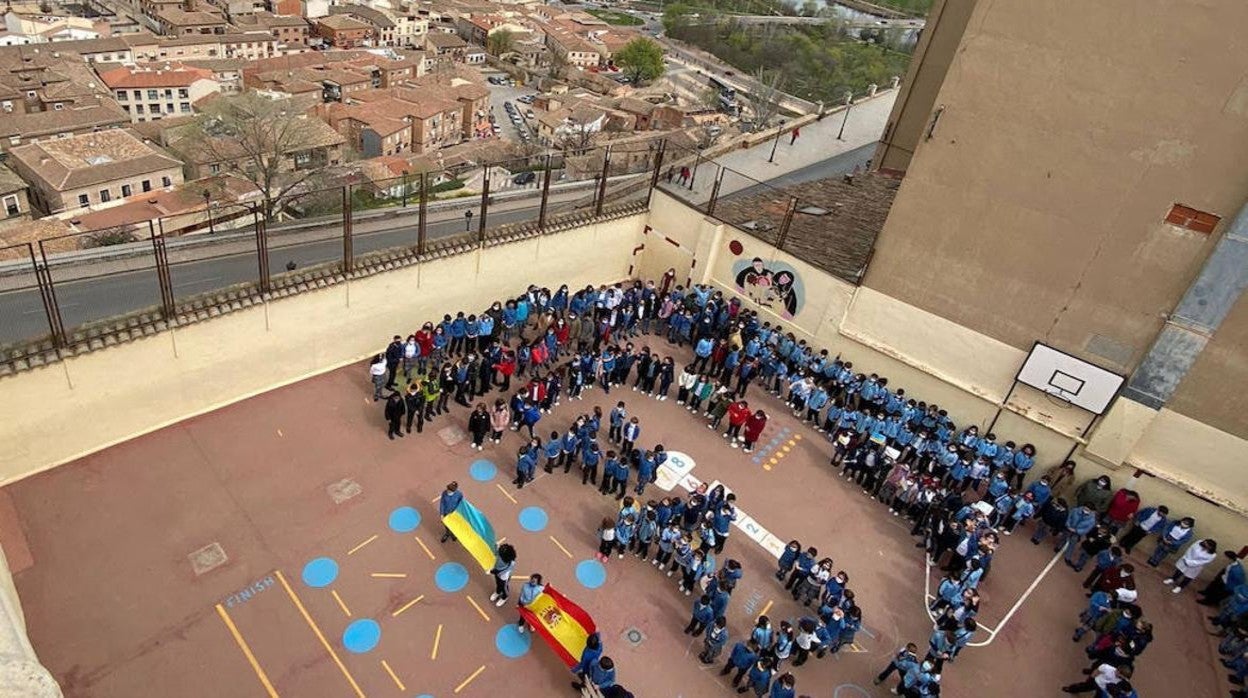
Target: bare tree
{"x": 765, "y": 96}
{"x": 264, "y": 141}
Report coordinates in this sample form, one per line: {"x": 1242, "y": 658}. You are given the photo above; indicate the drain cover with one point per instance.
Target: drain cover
{"x": 343, "y": 490}
{"x": 634, "y": 637}
{"x": 207, "y": 558}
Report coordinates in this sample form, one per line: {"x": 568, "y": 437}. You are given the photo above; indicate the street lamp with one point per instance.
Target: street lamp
{"x": 208, "y": 209}
{"x": 849, "y": 104}
{"x": 404, "y": 188}
{"x": 468, "y": 220}
{"x": 775, "y": 143}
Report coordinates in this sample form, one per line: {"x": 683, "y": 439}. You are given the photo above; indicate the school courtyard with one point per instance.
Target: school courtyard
{"x": 283, "y": 546}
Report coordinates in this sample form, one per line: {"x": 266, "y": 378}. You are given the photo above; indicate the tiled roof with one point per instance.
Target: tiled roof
{"x": 130, "y": 78}
{"x": 342, "y": 23}
{"x": 838, "y": 241}
{"x": 92, "y": 158}
{"x": 104, "y": 114}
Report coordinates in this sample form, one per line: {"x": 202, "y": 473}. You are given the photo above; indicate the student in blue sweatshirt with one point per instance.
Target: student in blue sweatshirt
{"x": 448, "y": 502}
{"x": 703, "y": 616}
{"x": 788, "y": 559}
{"x": 759, "y": 678}
{"x": 742, "y": 657}
{"x": 551, "y": 450}
{"x": 601, "y": 674}
{"x": 714, "y": 641}
{"x": 528, "y": 594}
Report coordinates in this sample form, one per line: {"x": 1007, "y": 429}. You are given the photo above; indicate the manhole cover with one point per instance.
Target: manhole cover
{"x": 343, "y": 490}
{"x": 634, "y": 637}
{"x": 207, "y": 558}
{"x": 451, "y": 435}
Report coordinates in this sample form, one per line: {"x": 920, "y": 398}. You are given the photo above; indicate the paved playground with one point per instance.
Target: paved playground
{"x": 283, "y": 546}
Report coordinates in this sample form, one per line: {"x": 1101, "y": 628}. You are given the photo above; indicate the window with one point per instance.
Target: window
{"x": 138, "y": 109}
{"x": 153, "y": 94}
{"x": 58, "y": 106}
{"x": 14, "y": 140}
{"x": 7, "y": 106}
{"x": 31, "y": 93}
{"x": 166, "y": 182}
{"x": 11, "y": 205}
{"x": 122, "y": 95}
{"x": 1191, "y": 219}
{"x": 168, "y": 94}
{"x": 138, "y": 94}
{"x": 214, "y": 168}
{"x": 146, "y": 185}
{"x": 185, "y": 107}
{"x": 155, "y": 108}
{"x": 183, "y": 92}
{"x": 106, "y": 195}
{"x": 84, "y": 200}
{"x": 169, "y": 108}
{"x": 126, "y": 190}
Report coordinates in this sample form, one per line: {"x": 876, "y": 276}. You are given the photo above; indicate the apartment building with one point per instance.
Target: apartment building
{"x": 176, "y": 22}
{"x": 150, "y": 94}
{"x": 342, "y": 31}
{"x": 17, "y": 128}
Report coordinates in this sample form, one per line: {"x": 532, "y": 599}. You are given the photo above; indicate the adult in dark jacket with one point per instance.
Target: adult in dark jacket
{"x": 394, "y": 355}
{"x": 479, "y": 425}
{"x": 1094, "y": 494}
{"x": 394, "y": 415}
{"x": 414, "y": 405}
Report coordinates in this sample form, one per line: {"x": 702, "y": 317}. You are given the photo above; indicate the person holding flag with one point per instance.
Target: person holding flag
{"x": 447, "y": 503}
{"x": 528, "y": 594}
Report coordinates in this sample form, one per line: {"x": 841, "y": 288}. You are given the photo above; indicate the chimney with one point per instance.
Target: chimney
{"x": 849, "y": 178}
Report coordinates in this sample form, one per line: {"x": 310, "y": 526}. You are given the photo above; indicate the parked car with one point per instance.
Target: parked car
{"x": 524, "y": 178}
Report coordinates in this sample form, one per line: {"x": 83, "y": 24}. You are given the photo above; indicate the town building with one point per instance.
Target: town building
{"x": 155, "y": 93}
{"x": 18, "y": 128}
{"x": 91, "y": 169}
{"x": 342, "y": 31}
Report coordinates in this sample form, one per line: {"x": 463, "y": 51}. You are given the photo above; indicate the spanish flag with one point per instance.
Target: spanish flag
{"x": 474, "y": 532}
{"x": 562, "y": 624}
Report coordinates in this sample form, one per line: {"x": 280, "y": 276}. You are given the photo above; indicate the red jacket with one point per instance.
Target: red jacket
{"x": 506, "y": 365}
{"x": 425, "y": 339}
{"x": 561, "y": 333}
{"x": 738, "y": 413}
{"x": 754, "y": 427}
{"x": 1122, "y": 507}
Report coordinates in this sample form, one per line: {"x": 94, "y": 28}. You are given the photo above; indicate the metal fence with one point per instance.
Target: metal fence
{"x": 75, "y": 290}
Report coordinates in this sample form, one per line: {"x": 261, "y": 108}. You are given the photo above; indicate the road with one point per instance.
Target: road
{"x": 92, "y": 299}
{"x": 832, "y": 167}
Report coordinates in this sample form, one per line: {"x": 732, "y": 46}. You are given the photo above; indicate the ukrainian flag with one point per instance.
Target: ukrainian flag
{"x": 474, "y": 532}
{"x": 562, "y": 624}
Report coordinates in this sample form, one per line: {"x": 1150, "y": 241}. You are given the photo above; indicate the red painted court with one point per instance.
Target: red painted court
{"x": 173, "y": 565}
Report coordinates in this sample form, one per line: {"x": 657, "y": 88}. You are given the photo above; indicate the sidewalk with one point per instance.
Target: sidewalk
{"x": 817, "y": 142}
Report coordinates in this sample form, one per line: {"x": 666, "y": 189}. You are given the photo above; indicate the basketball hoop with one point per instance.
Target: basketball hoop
{"x": 1058, "y": 399}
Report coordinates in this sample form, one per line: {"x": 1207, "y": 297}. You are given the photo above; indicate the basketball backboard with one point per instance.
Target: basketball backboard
{"x": 1071, "y": 379}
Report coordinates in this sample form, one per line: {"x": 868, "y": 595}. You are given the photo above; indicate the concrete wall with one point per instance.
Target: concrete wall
{"x": 1041, "y": 215}
{"x": 134, "y": 388}
{"x": 1191, "y": 466}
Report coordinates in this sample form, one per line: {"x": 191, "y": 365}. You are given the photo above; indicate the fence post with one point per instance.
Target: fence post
{"x": 424, "y": 212}
{"x": 162, "y": 276}
{"x": 541, "y": 212}
{"x": 658, "y": 167}
{"x": 602, "y": 182}
{"x": 783, "y": 234}
{"x": 485, "y": 204}
{"x": 262, "y": 249}
{"x": 719, "y": 178}
{"x": 348, "y": 254}
{"x": 47, "y": 294}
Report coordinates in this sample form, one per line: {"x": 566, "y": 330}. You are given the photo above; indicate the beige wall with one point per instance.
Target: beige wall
{"x": 174, "y": 375}
{"x": 1037, "y": 209}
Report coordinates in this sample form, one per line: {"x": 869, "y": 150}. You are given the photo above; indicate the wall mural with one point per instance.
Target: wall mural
{"x": 775, "y": 286}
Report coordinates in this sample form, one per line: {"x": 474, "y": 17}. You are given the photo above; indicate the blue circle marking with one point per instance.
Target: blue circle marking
{"x": 512, "y": 643}
{"x": 424, "y": 695}
{"x": 361, "y": 636}
{"x": 451, "y": 576}
{"x": 591, "y": 574}
{"x": 482, "y": 470}
{"x": 533, "y": 519}
{"x": 320, "y": 572}
{"x": 404, "y": 520}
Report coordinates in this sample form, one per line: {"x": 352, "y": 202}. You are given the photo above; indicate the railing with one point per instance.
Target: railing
{"x": 80, "y": 291}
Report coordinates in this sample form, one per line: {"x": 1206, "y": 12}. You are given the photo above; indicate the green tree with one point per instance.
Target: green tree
{"x": 641, "y": 60}
{"x": 500, "y": 42}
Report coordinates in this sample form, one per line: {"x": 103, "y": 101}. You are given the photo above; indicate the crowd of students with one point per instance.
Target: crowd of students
{"x": 961, "y": 489}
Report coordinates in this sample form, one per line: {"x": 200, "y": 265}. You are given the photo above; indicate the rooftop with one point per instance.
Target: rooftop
{"x": 101, "y": 114}
{"x": 80, "y": 161}
{"x": 343, "y": 23}
{"x": 122, "y": 78}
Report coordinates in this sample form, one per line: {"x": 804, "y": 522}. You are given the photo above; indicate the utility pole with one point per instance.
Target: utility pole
{"x": 849, "y": 104}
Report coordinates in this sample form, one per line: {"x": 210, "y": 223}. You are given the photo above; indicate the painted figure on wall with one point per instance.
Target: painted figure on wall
{"x": 775, "y": 287}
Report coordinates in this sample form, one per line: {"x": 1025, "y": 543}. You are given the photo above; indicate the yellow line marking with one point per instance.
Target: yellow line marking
{"x": 774, "y": 461}
{"x": 766, "y": 467}
{"x": 556, "y": 542}
{"x": 766, "y": 608}
{"x": 435, "y": 499}
{"x": 279, "y": 432}
{"x": 437, "y": 638}
{"x": 389, "y": 575}
{"x": 797, "y": 437}
{"x": 506, "y": 493}
{"x": 341, "y": 604}
{"x": 394, "y": 676}
{"x": 425, "y": 548}
{"x": 367, "y": 401}
{"x": 407, "y": 605}
{"x": 242, "y": 644}
{"x": 468, "y": 680}
{"x": 500, "y": 541}
{"x": 474, "y": 605}
{"x": 319, "y": 635}
{"x": 352, "y": 551}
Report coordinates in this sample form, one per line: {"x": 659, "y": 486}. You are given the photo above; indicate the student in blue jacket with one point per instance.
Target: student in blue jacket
{"x": 1148, "y": 521}
{"x": 788, "y": 559}
{"x": 526, "y": 465}
{"x": 740, "y": 659}
{"x": 1173, "y": 537}
{"x": 759, "y": 679}
{"x": 528, "y": 594}
{"x": 783, "y": 687}
{"x": 702, "y": 616}
{"x": 448, "y": 502}
{"x": 601, "y": 674}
